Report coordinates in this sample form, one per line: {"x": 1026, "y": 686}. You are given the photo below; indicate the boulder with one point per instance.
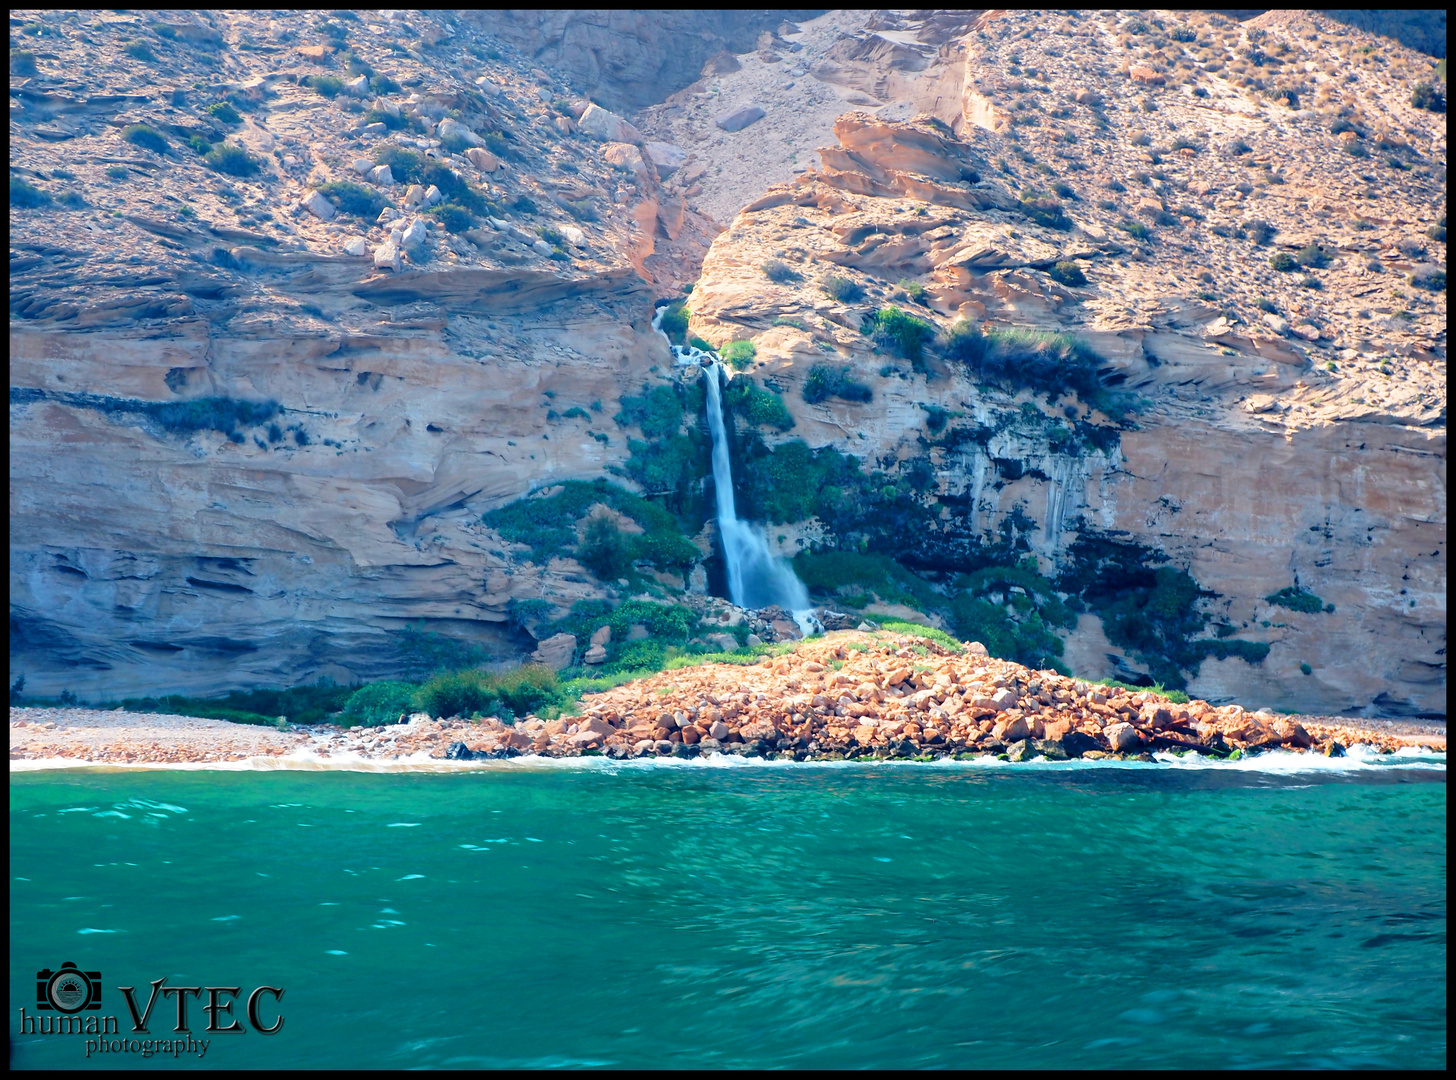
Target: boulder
{"x": 358, "y": 87}
{"x": 1146, "y": 75}
{"x": 414, "y": 195}
{"x": 1077, "y": 743}
{"x": 975, "y": 648}
{"x": 1012, "y": 729}
{"x": 666, "y": 157}
{"x": 386, "y": 256}
{"x": 454, "y": 129}
{"x": 482, "y": 159}
{"x": 1122, "y": 737}
{"x": 785, "y": 630}
{"x": 362, "y": 166}
{"x": 318, "y": 206}
{"x": 556, "y": 651}
{"x": 381, "y": 176}
{"x": 1020, "y": 750}
{"x": 718, "y": 730}
{"x": 740, "y": 118}
{"x": 722, "y": 62}
{"x": 1087, "y": 97}
{"x": 607, "y": 126}
{"x": 413, "y": 237}
{"x": 458, "y": 751}
{"x": 603, "y": 636}
{"x": 433, "y": 197}
{"x": 356, "y": 245}
{"x": 597, "y": 654}
{"x": 386, "y": 215}
{"x": 724, "y": 642}
{"x": 625, "y": 157}
{"x": 542, "y": 248}
{"x": 1003, "y": 698}
{"x": 1051, "y": 749}
{"x": 1292, "y": 732}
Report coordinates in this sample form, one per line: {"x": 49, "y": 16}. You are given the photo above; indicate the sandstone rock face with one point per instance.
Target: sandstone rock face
{"x": 556, "y": 651}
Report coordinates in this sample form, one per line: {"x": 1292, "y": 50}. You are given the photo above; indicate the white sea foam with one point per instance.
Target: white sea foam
{"x": 1359, "y": 758}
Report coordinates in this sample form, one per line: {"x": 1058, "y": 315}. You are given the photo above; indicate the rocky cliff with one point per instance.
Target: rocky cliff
{"x": 266, "y": 398}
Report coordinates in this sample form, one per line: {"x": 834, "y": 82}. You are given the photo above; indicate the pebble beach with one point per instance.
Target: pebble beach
{"x": 846, "y": 695}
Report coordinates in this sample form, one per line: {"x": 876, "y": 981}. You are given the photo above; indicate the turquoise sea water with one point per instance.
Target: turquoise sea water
{"x": 799, "y": 916}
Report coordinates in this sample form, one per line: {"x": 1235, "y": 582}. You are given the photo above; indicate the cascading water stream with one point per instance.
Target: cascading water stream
{"x": 757, "y": 577}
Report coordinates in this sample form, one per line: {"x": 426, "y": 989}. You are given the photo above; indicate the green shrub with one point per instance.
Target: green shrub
{"x": 1296, "y": 599}
{"x": 761, "y": 408}
{"x": 200, "y": 144}
{"x": 1258, "y": 231}
{"x": 1044, "y": 210}
{"x": 738, "y": 354}
{"x": 23, "y": 63}
{"x": 605, "y": 550}
{"x": 1136, "y": 229}
{"x": 224, "y": 112}
{"x": 675, "y": 322}
{"x": 379, "y": 703}
{"x": 300, "y": 705}
{"x": 827, "y": 380}
{"x": 71, "y": 200}
{"x": 913, "y": 290}
{"x": 780, "y": 272}
{"x": 1313, "y": 255}
{"x": 1068, "y": 273}
{"x": 700, "y": 344}
{"x": 327, "y": 85}
{"x": 1039, "y": 360}
{"x": 548, "y": 525}
{"x": 453, "y": 216}
{"x": 1309, "y": 281}
{"x": 232, "y": 160}
{"x": 1283, "y": 261}
{"x": 903, "y": 334}
{"x": 1434, "y": 281}
{"x": 357, "y": 199}
{"x": 118, "y": 172}
{"x": 1305, "y": 669}
{"x": 1265, "y": 304}
{"x": 27, "y": 195}
{"x": 525, "y": 689}
{"x": 845, "y": 290}
{"x": 1428, "y": 96}
{"x": 145, "y": 136}
{"x": 140, "y": 50}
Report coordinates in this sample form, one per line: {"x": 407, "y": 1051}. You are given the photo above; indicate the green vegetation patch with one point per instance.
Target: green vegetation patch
{"x": 739, "y": 355}
{"x": 232, "y": 160}
{"x": 1037, "y": 360}
{"x": 411, "y": 167}
{"x": 845, "y": 290}
{"x": 548, "y": 525}
{"x": 903, "y": 334}
{"x": 1296, "y": 599}
{"x": 530, "y": 688}
{"x": 301, "y": 705}
{"x": 26, "y": 195}
{"x": 1044, "y": 210}
{"x": 379, "y": 703}
{"x": 145, "y": 136}
{"x": 761, "y": 408}
{"x": 828, "y": 380}
{"x": 1148, "y": 610}
{"x": 357, "y": 199}
{"x": 675, "y": 322}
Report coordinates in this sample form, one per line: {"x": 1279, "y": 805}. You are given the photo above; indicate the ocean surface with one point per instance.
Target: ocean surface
{"x": 686, "y": 915}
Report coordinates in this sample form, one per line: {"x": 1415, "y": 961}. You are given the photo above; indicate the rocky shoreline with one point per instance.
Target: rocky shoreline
{"x": 845, "y": 695}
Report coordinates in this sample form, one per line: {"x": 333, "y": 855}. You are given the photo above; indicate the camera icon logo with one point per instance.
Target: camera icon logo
{"x": 68, "y": 990}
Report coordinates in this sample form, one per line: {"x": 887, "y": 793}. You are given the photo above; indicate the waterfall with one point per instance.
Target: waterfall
{"x": 756, "y": 577}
